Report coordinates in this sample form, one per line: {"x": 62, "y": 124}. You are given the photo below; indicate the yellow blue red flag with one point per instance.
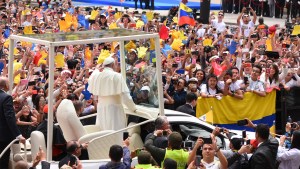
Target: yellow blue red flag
{"x": 185, "y": 15}
{"x": 226, "y": 112}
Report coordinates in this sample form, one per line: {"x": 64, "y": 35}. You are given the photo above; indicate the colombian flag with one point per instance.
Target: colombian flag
{"x": 185, "y": 15}
{"x": 227, "y": 111}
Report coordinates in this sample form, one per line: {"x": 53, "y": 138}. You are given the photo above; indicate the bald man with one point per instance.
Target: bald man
{"x": 8, "y": 127}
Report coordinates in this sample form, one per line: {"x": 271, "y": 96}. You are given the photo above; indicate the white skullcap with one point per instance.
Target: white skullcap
{"x": 146, "y": 88}
{"x": 108, "y": 60}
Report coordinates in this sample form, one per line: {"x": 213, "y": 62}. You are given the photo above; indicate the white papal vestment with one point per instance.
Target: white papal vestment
{"x": 112, "y": 92}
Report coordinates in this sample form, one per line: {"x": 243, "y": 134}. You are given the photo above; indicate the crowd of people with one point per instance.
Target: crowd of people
{"x": 205, "y": 60}
{"x": 267, "y": 8}
{"x": 264, "y": 151}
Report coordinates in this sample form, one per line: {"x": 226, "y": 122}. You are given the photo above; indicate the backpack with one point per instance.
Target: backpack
{"x": 244, "y": 162}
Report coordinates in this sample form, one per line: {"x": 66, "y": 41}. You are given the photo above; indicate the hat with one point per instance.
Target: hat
{"x": 66, "y": 71}
{"x": 133, "y": 50}
{"x": 102, "y": 16}
{"x": 108, "y": 60}
{"x": 193, "y": 79}
{"x": 146, "y": 88}
{"x": 213, "y": 57}
{"x": 45, "y": 109}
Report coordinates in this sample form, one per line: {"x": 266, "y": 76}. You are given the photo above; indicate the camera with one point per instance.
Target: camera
{"x": 207, "y": 49}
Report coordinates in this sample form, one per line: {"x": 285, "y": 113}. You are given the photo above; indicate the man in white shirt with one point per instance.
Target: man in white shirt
{"x": 219, "y": 23}
{"x": 209, "y": 150}
{"x": 27, "y": 21}
{"x": 230, "y": 88}
{"x": 246, "y": 24}
{"x": 255, "y": 85}
{"x": 200, "y": 31}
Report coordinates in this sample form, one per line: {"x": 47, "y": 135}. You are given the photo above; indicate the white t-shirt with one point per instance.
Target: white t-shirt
{"x": 256, "y": 85}
{"x": 213, "y": 165}
{"x": 210, "y": 91}
{"x": 232, "y": 87}
{"x": 26, "y": 23}
{"x": 292, "y": 82}
{"x": 200, "y": 32}
{"x": 220, "y": 26}
{"x": 247, "y": 28}
{"x": 239, "y": 83}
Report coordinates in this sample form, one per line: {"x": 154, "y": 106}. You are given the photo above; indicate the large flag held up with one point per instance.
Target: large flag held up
{"x": 185, "y": 15}
{"x": 226, "y": 112}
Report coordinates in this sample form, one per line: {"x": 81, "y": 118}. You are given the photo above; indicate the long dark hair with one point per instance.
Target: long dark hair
{"x": 296, "y": 140}
{"x": 207, "y": 79}
{"x": 37, "y": 101}
{"x": 276, "y": 75}
{"x": 204, "y": 75}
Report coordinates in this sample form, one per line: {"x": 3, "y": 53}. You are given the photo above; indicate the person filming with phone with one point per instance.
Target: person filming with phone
{"x": 266, "y": 152}
{"x": 174, "y": 150}
{"x": 209, "y": 150}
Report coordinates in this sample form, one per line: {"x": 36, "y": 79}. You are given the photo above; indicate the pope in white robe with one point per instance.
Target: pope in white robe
{"x": 112, "y": 92}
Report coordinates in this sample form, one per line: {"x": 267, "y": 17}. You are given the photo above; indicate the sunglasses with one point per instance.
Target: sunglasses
{"x": 221, "y": 15}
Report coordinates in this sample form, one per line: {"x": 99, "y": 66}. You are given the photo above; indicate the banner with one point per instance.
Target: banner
{"x": 227, "y": 111}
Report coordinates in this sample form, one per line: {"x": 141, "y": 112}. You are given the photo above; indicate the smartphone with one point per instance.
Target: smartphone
{"x": 253, "y": 36}
{"x": 228, "y": 36}
{"x": 180, "y": 71}
{"x": 125, "y": 135}
{"x": 165, "y": 133}
{"x": 248, "y": 142}
{"x": 248, "y": 8}
{"x": 32, "y": 83}
{"x": 195, "y": 53}
{"x": 268, "y": 70}
{"x": 207, "y": 140}
{"x": 37, "y": 69}
{"x": 73, "y": 161}
{"x": 198, "y": 161}
{"x": 242, "y": 122}
{"x": 188, "y": 144}
{"x": 34, "y": 91}
{"x": 194, "y": 60}
{"x": 175, "y": 65}
{"x": 24, "y": 81}
{"x": 244, "y": 134}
